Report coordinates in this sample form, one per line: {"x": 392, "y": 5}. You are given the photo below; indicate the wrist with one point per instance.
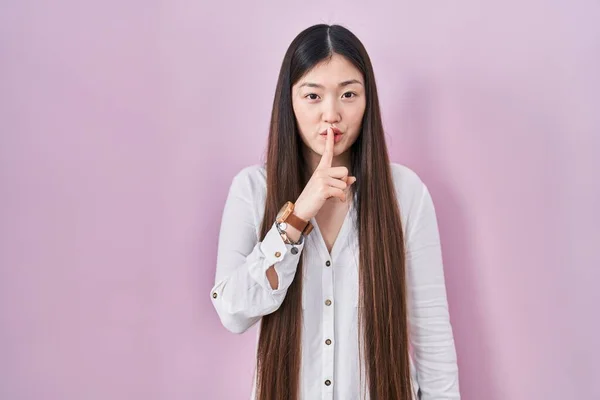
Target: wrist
{"x": 292, "y": 233}
{"x": 301, "y": 213}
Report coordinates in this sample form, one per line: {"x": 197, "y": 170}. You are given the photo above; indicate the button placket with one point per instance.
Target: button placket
{"x": 328, "y": 330}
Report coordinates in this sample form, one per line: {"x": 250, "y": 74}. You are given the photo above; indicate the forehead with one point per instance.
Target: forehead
{"x": 331, "y": 72}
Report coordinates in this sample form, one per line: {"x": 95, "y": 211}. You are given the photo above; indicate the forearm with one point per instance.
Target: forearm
{"x": 247, "y": 291}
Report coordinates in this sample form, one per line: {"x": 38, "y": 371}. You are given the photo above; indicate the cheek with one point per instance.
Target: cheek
{"x": 305, "y": 108}
{"x": 355, "y": 113}
{"x": 301, "y": 115}
{"x": 305, "y": 115}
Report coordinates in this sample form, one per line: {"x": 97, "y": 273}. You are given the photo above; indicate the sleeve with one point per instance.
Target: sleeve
{"x": 431, "y": 334}
{"x": 242, "y": 293}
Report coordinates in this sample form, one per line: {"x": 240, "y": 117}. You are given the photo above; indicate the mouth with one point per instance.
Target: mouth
{"x": 336, "y": 132}
{"x": 337, "y": 135}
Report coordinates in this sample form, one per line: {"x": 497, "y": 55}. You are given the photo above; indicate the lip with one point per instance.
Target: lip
{"x": 336, "y": 132}
{"x": 336, "y": 137}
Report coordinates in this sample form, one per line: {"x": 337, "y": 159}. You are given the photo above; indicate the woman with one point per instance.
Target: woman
{"x": 332, "y": 247}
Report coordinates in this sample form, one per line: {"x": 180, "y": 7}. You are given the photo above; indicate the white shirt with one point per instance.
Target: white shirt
{"x": 242, "y": 293}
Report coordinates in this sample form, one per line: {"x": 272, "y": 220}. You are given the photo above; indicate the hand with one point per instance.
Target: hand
{"x": 326, "y": 182}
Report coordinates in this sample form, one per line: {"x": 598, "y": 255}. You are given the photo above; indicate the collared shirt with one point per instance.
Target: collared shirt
{"x": 330, "y": 367}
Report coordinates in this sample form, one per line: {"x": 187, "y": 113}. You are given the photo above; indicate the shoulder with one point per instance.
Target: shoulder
{"x": 407, "y": 182}
{"x": 251, "y": 173}
{"x": 410, "y": 191}
{"x": 250, "y": 180}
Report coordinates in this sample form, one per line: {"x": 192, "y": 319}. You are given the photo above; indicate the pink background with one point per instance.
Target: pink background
{"x": 123, "y": 122}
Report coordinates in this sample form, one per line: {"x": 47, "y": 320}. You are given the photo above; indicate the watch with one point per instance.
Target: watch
{"x": 286, "y": 216}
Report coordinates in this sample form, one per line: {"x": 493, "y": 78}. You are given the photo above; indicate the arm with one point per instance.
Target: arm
{"x": 248, "y": 269}
{"x": 429, "y": 320}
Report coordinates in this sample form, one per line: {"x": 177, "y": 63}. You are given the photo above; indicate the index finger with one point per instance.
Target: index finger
{"x": 327, "y": 156}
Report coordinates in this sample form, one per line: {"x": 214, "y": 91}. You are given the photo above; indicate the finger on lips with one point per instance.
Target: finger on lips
{"x": 327, "y": 157}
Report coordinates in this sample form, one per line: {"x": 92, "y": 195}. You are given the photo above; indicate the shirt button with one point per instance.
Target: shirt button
{"x": 327, "y": 382}
{"x": 328, "y": 263}
{"x": 214, "y": 295}
{"x": 277, "y": 254}
{"x": 328, "y": 342}
{"x": 327, "y": 302}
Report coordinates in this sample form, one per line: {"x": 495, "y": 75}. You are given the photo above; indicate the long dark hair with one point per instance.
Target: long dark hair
{"x": 382, "y": 315}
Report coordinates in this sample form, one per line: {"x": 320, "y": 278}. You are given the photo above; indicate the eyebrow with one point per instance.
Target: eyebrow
{"x": 342, "y": 84}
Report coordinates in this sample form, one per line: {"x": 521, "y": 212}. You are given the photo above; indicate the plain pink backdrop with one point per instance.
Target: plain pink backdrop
{"x": 123, "y": 122}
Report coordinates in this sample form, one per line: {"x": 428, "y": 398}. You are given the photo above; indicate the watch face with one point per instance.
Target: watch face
{"x": 283, "y": 211}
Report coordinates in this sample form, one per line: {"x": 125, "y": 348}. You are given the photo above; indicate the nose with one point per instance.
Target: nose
{"x": 331, "y": 113}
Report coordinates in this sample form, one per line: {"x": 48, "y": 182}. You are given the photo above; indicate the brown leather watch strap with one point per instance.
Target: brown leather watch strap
{"x": 308, "y": 229}
{"x": 303, "y": 226}
{"x": 296, "y": 222}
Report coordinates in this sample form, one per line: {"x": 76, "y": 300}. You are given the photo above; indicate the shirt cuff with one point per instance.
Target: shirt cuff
{"x": 278, "y": 253}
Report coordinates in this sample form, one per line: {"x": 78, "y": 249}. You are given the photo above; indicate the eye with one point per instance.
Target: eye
{"x": 352, "y": 94}
{"x": 312, "y": 96}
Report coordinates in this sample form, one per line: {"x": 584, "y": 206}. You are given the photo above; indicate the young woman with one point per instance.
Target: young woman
{"x": 332, "y": 247}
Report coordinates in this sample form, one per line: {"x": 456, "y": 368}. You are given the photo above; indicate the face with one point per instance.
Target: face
{"x": 330, "y": 94}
